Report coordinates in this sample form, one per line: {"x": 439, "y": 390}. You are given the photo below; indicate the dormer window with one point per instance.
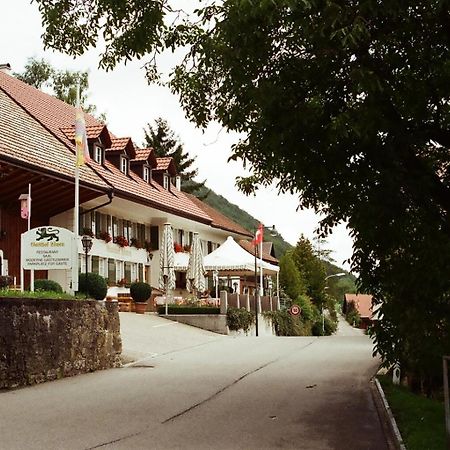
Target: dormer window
{"x": 98, "y": 154}
{"x": 146, "y": 174}
{"x": 124, "y": 165}
{"x": 166, "y": 181}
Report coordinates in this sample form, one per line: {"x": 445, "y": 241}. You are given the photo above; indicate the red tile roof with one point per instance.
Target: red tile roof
{"x": 247, "y": 245}
{"x": 43, "y": 142}
{"x": 218, "y": 219}
{"x": 142, "y": 154}
{"x": 362, "y": 302}
{"x": 146, "y": 154}
{"x": 92, "y": 131}
{"x": 25, "y": 140}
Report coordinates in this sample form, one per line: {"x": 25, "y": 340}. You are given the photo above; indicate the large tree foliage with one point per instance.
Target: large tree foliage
{"x": 311, "y": 269}
{"x": 290, "y": 278}
{"x": 61, "y": 83}
{"x": 164, "y": 143}
{"x": 345, "y": 103}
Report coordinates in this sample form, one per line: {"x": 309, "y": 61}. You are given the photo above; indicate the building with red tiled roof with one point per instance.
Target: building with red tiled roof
{"x": 218, "y": 219}
{"x": 119, "y": 195}
{"x": 363, "y": 305}
{"x": 266, "y": 253}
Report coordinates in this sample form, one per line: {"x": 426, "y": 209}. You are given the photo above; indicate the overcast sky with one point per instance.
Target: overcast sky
{"x": 130, "y": 103}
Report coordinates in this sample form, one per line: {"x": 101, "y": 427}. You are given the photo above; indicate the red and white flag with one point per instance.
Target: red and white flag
{"x": 258, "y": 235}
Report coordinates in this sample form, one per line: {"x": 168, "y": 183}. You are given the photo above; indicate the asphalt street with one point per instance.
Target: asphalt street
{"x": 191, "y": 389}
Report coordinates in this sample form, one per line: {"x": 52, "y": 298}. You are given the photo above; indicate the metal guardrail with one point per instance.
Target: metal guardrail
{"x": 445, "y": 360}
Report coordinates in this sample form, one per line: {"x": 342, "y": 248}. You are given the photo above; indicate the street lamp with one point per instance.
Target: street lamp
{"x": 340, "y": 274}
{"x": 273, "y": 233}
{"x": 86, "y": 241}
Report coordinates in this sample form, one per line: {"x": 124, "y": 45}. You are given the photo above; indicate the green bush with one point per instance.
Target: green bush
{"x": 96, "y": 286}
{"x": 306, "y": 306}
{"x": 5, "y": 281}
{"x": 329, "y": 327}
{"x": 47, "y": 285}
{"x": 140, "y": 291}
{"x": 240, "y": 319}
{"x": 286, "y": 324}
{"x": 353, "y": 318}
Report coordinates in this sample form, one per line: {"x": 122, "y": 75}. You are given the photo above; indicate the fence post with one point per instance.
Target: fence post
{"x": 247, "y": 302}
{"x": 223, "y": 302}
{"x": 238, "y": 301}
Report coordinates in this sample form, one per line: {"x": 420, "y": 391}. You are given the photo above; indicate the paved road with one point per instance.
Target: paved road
{"x": 208, "y": 392}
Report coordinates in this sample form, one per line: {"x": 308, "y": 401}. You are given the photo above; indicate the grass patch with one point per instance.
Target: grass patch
{"x": 421, "y": 420}
{"x": 38, "y": 294}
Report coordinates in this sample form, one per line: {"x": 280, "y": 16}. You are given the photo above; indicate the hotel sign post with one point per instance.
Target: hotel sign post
{"x": 46, "y": 248}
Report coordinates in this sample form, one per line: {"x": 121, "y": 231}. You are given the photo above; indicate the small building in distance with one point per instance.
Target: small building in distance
{"x": 363, "y": 305}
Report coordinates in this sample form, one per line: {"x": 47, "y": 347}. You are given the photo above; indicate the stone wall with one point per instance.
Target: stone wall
{"x": 216, "y": 323}
{"x": 42, "y": 340}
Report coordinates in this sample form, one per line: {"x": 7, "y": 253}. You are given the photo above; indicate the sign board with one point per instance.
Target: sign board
{"x": 47, "y": 248}
{"x": 295, "y": 310}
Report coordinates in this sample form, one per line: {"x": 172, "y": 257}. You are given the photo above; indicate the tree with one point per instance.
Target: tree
{"x": 345, "y": 103}
{"x": 311, "y": 270}
{"x": 164, "y": 142}
{"x": 62, "y": 83}
{"x": 290, "y": 277}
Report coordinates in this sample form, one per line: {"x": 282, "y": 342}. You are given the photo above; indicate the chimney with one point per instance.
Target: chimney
{"x": 178, "y": 182}
{"x": 5, "y": 68}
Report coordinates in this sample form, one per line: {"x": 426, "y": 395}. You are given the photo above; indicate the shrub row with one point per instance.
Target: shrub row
{"x": 180, "y": 309}
{"x": 240, "y": 319}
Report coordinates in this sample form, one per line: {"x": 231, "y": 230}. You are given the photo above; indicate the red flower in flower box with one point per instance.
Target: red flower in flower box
{"x": 177, "y": 247}
{"x": 122, "y": 241}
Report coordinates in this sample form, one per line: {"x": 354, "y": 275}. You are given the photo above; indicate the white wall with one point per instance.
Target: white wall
{"x": 137, "y": 213}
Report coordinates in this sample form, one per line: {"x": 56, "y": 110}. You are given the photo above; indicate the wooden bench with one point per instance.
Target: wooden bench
{"x": 126, "y": 303}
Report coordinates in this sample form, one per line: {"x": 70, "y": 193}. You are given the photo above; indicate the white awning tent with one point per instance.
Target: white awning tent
{"x": 231, "y": 258}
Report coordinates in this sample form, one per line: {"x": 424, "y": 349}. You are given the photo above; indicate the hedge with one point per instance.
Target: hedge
{"x": 179, "y": 309}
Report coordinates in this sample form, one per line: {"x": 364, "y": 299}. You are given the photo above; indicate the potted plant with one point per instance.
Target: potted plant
{"x": 140, "y": 292}
{"x": 177, "y": 247}
{"x": 88, "y": 232}
{"x": 135, "y": 243}
{"x": 122, "y": 241}
{"x": 105, "y": 236}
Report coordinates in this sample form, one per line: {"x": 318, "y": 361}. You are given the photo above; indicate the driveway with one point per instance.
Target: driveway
{"x": 197, "y": 390}
{"x": 150, "y": 335}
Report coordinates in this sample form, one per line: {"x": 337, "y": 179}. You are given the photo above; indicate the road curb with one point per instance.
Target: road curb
{"x": 393, "y": 436}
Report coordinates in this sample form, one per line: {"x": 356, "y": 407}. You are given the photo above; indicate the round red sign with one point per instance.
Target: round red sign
{"x": 295, "y": 310}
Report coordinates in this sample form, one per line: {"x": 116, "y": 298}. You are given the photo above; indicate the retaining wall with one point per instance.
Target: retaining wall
{"x": 211, "y": 322}
{"x": 42, "y": 340}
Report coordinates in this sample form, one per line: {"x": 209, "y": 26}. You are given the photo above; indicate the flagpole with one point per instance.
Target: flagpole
{"x": 256, "y": 291}
{"x": 29, "y": 228}
{"x": 261, "y": 287}
{"x": 76, "y": 212}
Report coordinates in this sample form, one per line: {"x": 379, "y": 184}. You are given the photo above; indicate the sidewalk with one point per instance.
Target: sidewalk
{"x": 148, "y": 335}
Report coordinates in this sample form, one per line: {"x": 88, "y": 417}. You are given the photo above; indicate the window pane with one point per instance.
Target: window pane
{"x": 128, "y": 271}
{"x": 154, "y": 237}
{"x": 95, "y": 261}
{"x": 111, "y": 271}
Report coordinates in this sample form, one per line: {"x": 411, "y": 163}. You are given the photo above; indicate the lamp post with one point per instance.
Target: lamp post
{"x": 86, "y": 241}
{"x": 340, "y": 274}
{"x": 273, "y": 232}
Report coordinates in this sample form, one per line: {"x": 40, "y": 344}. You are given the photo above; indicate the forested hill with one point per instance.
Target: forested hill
{"x": 241, "y": 217}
